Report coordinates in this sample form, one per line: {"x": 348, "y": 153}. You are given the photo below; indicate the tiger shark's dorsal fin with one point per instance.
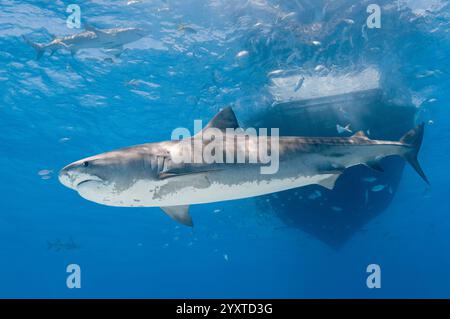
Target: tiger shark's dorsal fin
{"x": 360, "y": 134}
{"x": 91, "y": 28}
{"x": 223, "y": 120}
{"x": 180, "y": 214}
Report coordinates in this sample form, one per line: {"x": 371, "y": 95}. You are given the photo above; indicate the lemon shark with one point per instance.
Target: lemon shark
{"x": 147, "y": 175}
{"x": 112, "y": 40}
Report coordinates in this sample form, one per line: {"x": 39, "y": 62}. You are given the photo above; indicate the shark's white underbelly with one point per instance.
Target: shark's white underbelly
{"x": 145, "y": 194}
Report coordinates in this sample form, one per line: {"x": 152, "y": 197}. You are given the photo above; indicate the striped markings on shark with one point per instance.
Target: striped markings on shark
{"x": 112, "y": 40}
{"x": 134, "y": 177}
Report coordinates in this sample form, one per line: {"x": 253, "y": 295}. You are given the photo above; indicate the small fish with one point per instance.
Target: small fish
{"x": 315, "y": 194}
{"x": 45, "y": 177}
{"x": 45, "y": 172}
{"x": 289, "y": 15}
{"x": 370, "y": 179}
{"x": 336, "y": 208}
{"x": 59, "y": 245}
{"x": 378, "y": 188}
{"x": 319, "y": 68}
{"x": 343, "y": 129}
{"x": 364, "y": 32}
{"x": 186, "y": 28}
{"x": 343, "y": 111}
{"x": 292, "y": 56}
{"x": 275, "y": 73}
{"x": 64, "y": 139}
{"x": 216, "y": 211}
{"x": 316, "y": 43}
{"x": 299, "y": 83}
{"x": 426, "y": 193}
{"x": 225, "y": 256}
{"x": 242, "y": 54}
{"x": 426, "y": 74}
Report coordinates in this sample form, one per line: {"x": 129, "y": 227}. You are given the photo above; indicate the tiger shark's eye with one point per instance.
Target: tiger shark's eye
{"x": 86, "y": 164}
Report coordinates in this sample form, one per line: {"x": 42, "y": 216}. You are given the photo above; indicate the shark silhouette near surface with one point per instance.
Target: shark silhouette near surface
{"x": 58, "y": 245}
{"x": 111, "y": 40}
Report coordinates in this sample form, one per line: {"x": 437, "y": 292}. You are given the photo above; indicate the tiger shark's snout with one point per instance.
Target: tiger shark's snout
{"x": 75, "y": 174}
{"x": 66, "y": 176}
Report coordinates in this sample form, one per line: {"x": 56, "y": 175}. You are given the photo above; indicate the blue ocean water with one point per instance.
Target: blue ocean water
{"x": 198, "y": 57}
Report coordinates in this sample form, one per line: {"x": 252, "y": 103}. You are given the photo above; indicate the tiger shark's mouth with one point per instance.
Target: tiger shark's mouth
{"x": 88, "y": 181}
{"x": 74, "y": 180}
{"x": 94, "y": 190}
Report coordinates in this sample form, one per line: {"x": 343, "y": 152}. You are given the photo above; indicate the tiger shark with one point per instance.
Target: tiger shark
{"x": 112, "y": 40}
{"x": 148, "y": 175}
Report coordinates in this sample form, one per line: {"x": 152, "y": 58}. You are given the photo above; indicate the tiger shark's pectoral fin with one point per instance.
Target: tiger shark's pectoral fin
{"x": 329, "y": 182}
{"x": 118, "y": 52}
{"x": 180, "y": 214}
{"x": 115, "y": 51}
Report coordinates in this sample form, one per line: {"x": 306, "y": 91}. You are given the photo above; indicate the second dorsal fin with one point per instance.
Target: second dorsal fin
{"x": 360, "y": 134}
{"x": 223, "y": 120}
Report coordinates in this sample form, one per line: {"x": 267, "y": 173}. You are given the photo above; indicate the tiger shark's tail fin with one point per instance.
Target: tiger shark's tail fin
{"x": 414, "y": 138}
{"x": 40, "y": 49}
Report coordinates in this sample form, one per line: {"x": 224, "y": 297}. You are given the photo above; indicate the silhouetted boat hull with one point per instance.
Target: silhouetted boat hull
{"x": 360, "y": 193}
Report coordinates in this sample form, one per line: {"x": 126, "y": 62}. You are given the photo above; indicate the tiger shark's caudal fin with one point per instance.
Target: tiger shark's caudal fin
{"x": 414, "y": 138}
{"x": 38, "y": 47}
